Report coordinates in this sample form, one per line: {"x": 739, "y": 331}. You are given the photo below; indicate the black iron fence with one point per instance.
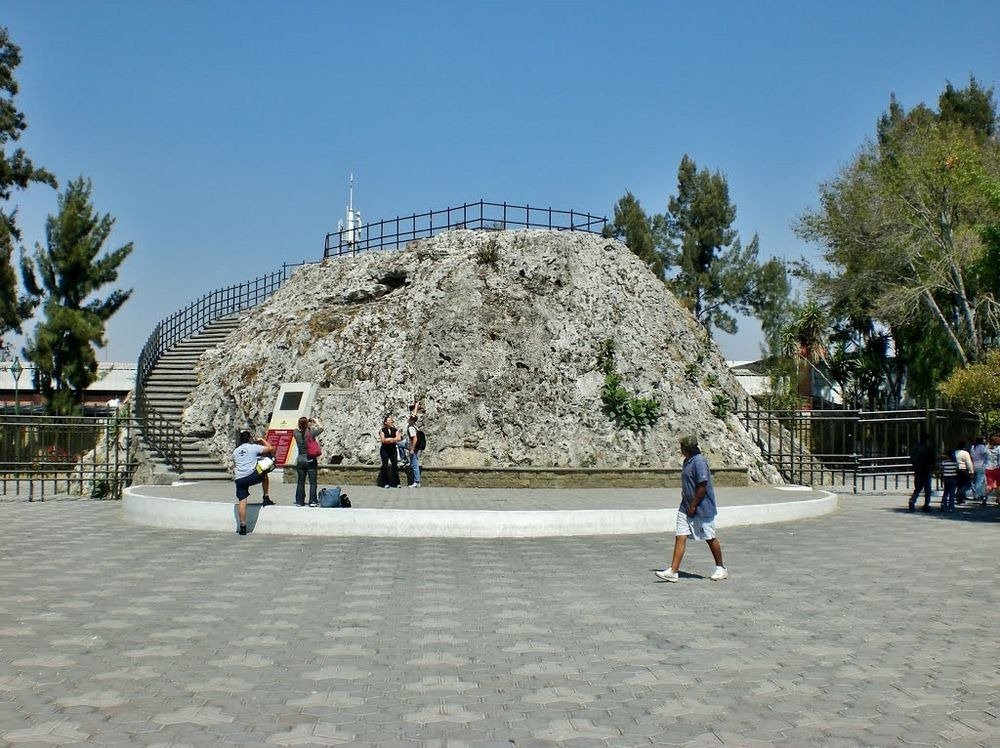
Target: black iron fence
{"x": 47, "y": 456}
{"x": 160, "y": 433}
{"x": 864, "y": 450}
{"x": 394, "y": 232}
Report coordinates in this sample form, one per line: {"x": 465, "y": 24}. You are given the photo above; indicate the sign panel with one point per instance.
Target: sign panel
{"x": 295, "y": 399}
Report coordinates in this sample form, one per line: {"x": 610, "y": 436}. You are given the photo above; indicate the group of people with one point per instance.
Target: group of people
{"x": 400, "y": 446}
{"x": 695, "y": 515}
{"x": 967, "y": 472}
{"x": 395, "y": 446}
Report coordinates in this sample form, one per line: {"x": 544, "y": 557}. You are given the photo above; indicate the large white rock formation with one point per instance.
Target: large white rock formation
{"x": 498, "y": 332}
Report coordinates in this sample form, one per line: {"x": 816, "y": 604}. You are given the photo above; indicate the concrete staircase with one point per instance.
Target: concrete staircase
{"x": 172, "y": 380}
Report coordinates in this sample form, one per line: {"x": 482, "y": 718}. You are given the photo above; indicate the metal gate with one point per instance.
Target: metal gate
{"x": 863, "y": 450}
{"x": 65, "y": 456}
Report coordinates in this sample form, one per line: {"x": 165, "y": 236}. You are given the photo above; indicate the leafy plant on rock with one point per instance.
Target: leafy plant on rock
{"x": 721, "y": 405}
{"x": 621, "y": 406}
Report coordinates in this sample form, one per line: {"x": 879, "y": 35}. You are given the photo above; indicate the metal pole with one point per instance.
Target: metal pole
{"x": 16, "y": 369}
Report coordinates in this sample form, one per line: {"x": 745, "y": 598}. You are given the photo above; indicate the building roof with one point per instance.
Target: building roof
{"x": 112, "y": 377}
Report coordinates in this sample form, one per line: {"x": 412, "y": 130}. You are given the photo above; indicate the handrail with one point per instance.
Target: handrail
{"x": 393, "y": 232}
{"x": 157, "y": 430}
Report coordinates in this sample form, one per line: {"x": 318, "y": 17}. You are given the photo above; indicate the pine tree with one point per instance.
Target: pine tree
{"x": 16, "y": 172}
{"x": 69, "y": 274}
{"x": 632, "y": 225}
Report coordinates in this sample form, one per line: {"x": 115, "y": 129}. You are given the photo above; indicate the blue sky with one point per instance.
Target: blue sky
{"x": 220, "y": 134}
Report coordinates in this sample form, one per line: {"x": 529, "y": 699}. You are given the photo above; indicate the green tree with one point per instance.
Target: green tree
{"x": 69, "y": 275}
{"x": 902, "y": 227}
{"x": 16, "y": 172}
{"x": 976, "y": 386}
{"x": 972, "y": 107}
{"x": 633, "y": 226}
{"x": 708, "y": 268}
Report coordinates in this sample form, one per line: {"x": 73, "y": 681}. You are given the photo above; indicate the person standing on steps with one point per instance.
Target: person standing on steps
{"x": 307, "y": 459}
{"x": 696, "y": 515}
{"x": 245, "y": 474}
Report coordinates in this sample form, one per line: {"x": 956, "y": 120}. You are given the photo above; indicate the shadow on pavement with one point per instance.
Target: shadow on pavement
{"x": 964, "y": 513}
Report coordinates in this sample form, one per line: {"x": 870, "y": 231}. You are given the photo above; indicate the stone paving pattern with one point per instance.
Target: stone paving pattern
{"x": 868, "y": 627}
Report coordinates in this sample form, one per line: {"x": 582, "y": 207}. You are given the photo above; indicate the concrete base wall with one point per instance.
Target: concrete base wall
{"x": 145, "y": 509}
{"x": 524, "y": 477}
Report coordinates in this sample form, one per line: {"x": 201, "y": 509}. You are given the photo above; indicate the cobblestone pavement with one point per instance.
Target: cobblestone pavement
{"x": 868, "y": 627}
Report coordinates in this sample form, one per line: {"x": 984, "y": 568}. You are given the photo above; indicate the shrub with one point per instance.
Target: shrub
{"x": 720, "y": 405}
{"x": 621, "y": 406}
{"x": 488, "y": 253}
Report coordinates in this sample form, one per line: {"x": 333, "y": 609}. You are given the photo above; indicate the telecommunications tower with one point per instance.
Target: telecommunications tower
{"x": 350, "y": 233}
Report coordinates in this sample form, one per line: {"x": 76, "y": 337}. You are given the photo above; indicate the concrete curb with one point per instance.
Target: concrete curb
{"x": 184, "y": 514}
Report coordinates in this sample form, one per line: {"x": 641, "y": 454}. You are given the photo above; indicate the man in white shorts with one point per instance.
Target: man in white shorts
{"x": 696, "y": 515}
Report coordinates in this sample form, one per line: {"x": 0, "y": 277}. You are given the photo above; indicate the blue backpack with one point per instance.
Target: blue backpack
{"x": 333, "y": 498}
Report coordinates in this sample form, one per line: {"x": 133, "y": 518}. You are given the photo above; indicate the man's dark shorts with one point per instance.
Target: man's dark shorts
{"x": 243, "y": 484}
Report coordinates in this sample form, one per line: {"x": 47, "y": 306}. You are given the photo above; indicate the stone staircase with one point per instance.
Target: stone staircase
{"x": 172, "y": 380}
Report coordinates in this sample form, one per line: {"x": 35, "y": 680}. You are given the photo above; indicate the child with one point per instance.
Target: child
{"x": 949, "y": 476}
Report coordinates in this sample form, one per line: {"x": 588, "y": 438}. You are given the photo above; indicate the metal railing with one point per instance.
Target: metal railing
{"x": 394, "y": 232}
{"x": 45, "y": 456}
{"x": 159, "y": 432}
{"x": 856, "y": 448}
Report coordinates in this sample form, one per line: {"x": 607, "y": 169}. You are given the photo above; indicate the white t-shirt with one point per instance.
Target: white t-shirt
{"x": 411, "y": 437}
{"x": 993, "y": 457}
{"x": 245, "y": 459}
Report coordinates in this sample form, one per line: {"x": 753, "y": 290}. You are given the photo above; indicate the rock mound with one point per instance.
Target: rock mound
{"x": 499, "y": 333}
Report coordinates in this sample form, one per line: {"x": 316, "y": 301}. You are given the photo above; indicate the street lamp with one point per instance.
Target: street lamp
{"x": 15, "y": 370}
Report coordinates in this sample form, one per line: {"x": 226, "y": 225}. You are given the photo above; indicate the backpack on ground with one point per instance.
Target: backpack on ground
{"x": 333, "y": 498}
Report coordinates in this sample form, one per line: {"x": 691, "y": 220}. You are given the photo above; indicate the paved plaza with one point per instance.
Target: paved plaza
{"x": 871, "y": 626}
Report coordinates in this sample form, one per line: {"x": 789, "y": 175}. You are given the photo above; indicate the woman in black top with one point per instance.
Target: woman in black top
{"x": 388, "y": 475}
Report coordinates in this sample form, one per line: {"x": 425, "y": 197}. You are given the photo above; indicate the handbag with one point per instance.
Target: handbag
{"x": 265, "y": 465}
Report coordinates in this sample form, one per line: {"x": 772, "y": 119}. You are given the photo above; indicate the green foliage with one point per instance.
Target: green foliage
{"x": 488, "y": 253}
{"x": 972, "y": 107}
{"x": 708, "y": 268}
{"x": 101, "y": 489}
{"x": 67, "y": 274}
{"x": 906, "y": 230}
{"x": 691, "y": 371}
{"x": 711, "y": 379}
{"x": 16, "y": 172}
{"x": 621, "y": 406}
{"x": 976, "y": 386}
{"x": 632, "y": 225}
{"x": 721, "y": 405}
{"x": 782, "y": 378}
{"x": 606, "y": 356}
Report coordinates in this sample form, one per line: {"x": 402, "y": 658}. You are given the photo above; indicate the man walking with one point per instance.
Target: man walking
{"x": 922, "y": 459}
{"x": 696, "y": 515}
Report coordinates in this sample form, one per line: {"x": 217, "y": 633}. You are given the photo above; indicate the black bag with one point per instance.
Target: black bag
{"x": 421, "y": 441}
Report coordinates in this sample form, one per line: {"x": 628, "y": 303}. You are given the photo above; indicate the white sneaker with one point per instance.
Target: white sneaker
{"x": 667, "y": 575}
{"x": 414, "y": 485}
{"x": 721, "y": 572}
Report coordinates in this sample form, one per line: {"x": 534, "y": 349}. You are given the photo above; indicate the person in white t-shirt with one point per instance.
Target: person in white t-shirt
{"x": 965, "y": 471}
{"x": 245, "y": 474}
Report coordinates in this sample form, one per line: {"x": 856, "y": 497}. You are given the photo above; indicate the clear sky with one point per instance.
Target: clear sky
{"x": 220, "y": 133}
